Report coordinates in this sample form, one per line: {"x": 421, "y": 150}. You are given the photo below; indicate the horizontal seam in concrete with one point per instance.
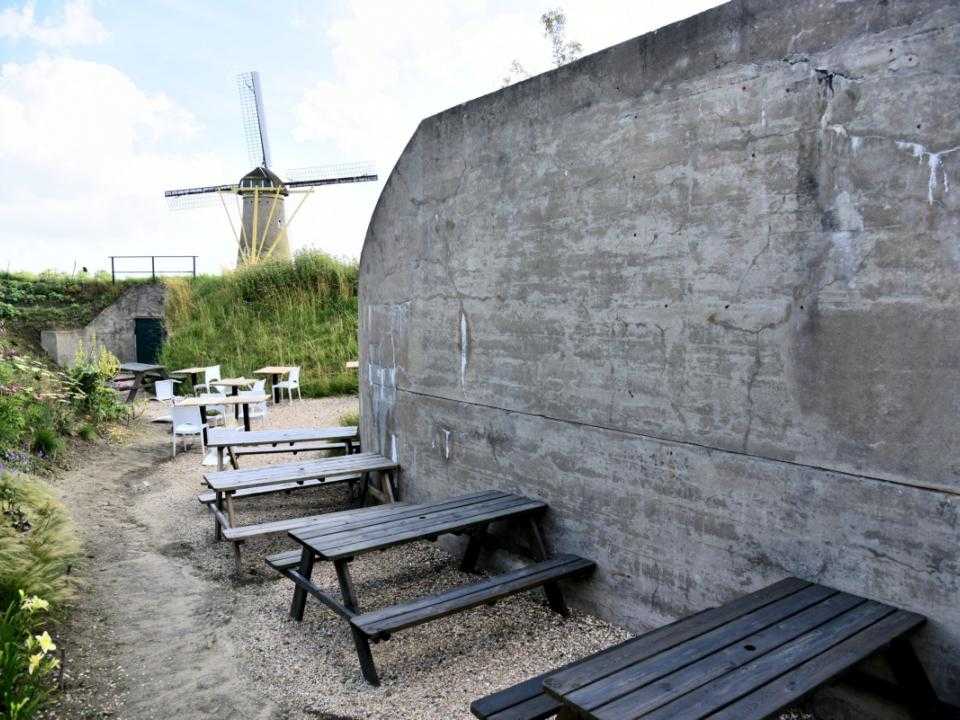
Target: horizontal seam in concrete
{"x": 673, "y": 441}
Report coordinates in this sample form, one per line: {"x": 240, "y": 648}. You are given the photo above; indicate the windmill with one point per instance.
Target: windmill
{"x": 261, "y": 192}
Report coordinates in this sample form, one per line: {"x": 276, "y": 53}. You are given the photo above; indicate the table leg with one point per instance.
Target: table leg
{"x": 216, "y": 521}
{"x": 551, "y": 589}
{"x": 299, "y": 594}
{"x": 349, "y": 596}
{"x": 474, "y": 546}
{"x": 193, "y": 382}
{"x": 135, "y": 388}
{"x": 236, "y": 409}
{"x": 246, "y": 417}
{"x": 912, "y": 678}
{"x": 274, "y": 379}
{"x": 220, "y": 459}
{"x": 203, "y": 421}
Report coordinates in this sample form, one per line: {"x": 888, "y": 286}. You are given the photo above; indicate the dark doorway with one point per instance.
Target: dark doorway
{"x": 149, "y": 334}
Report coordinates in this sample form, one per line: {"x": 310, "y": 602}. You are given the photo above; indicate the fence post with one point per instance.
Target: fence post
{"x": 194, "y": 265}
{"x": 153, "y": 267}
{"x": 113, "y": 272}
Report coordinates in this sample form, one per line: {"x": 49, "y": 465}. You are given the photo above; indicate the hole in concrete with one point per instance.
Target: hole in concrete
{"x": 726, "y": 307}
{"x": 751, "y": 648}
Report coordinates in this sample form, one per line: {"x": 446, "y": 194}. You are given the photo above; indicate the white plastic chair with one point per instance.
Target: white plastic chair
{"x": 216, "y": 413}
{"x": 290, "y": 384}
{"x": 163, "y": 390}
{"x": 211, "y": 374}
{"x": 257, "y": 410}
{"x": 186, "y": 421}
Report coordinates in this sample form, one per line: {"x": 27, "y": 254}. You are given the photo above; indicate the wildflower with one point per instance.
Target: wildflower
{"x": 46, "y": 642}
{"x": 34, "y": 662}
{"x": 32, "y": 603}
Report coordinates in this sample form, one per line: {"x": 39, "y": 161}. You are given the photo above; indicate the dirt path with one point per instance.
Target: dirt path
{"x": 147, "y": 638}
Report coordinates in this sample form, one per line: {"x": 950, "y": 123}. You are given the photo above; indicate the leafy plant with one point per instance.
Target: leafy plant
{"x": 87, "y": 432}
{"x": 27, "y": 659}
{"x": 349, "y": 419}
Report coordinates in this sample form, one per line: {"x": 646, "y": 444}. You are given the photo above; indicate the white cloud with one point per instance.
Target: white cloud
{"x": 76, "y": 25}
{"x": 85, "y": 160}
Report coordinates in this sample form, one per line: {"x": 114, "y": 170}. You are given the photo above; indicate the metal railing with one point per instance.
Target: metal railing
{"x": 153, "y": 271}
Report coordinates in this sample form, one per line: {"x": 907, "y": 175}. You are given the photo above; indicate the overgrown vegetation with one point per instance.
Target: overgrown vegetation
{"x": 30, "y": 303}
{"x": 38, "y": 546}
{"x": 40, "y": 406}
{"x": 294, "y": 312}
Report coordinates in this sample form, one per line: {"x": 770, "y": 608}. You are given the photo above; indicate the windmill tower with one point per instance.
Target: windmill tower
{"x": 262, "y": 193}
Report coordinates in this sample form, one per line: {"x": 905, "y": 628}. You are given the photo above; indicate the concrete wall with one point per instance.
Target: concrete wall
{"x": 700, "y": 292}
{"x": 113, "y": 327}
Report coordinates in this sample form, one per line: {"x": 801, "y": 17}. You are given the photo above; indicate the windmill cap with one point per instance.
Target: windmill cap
{"x": 261, "y": 178}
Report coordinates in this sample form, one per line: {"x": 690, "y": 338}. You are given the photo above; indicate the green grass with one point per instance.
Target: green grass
{"x": 300, "y": 312}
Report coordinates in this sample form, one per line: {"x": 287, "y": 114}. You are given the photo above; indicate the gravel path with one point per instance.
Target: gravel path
{"x": 166, "y": 630}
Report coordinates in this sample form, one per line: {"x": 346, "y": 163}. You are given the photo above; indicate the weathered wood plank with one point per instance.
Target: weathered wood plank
{"x": 238, "y": 438}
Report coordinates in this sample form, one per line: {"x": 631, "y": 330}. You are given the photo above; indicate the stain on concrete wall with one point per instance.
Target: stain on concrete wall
{"x": 112, "y": 328}
{"x": 699, "y": 291}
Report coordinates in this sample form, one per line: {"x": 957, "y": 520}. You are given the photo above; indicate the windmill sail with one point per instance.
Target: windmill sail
{"x": 254, "y": 119}
{"x": 331, "y": 174}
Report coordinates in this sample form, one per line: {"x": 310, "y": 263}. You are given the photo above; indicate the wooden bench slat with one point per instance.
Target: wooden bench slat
{"x": 663, "y": 638}
{"x": 209, "y": 496}
{"x": 324, "y": 467}
{"x": 459, "y": 522}
{"x": 220, "y": 437}
{"x": 789, "y": 688}
{"x": 388, "y": 620}
{"x": 701, "y": 649}
{"x": 655, "y": 687}
{"x": 284, "y": 560}
{"x": 293, "y": 449}
{"x": 724, "y": 690}
{"x": 310, "y": 534}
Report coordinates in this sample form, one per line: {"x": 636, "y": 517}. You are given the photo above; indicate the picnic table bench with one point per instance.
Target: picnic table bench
{"x": 227, "y": 485}
{"x": 342, "y": 537}
{"x": 746, "y": 660}
{"x": 291, "y": 440}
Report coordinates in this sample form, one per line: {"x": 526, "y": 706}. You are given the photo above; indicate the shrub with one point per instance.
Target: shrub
{"x": 38, "y": 542}
{"x": 27, "y": 660}
{"x": 90, "y": 393}
{"x": 350, "y": 418}
{"x": 46, "y": 443}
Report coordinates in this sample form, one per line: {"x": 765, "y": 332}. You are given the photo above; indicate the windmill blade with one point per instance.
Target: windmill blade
{"x": 331, "y": 174}
{"x": 190, "y": 198}
{"x": 254, "y": 120}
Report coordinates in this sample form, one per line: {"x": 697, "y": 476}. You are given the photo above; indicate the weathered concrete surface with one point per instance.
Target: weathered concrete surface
{"x": 112, "y": 328}
{"x": 700, "y": 292}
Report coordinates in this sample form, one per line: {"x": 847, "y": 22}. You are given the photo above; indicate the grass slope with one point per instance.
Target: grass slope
{"x": 31, "y": 303}
{"x": 300, "y": 312}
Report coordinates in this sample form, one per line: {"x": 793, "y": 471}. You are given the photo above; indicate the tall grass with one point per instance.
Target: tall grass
{"x": 295, "y": 312}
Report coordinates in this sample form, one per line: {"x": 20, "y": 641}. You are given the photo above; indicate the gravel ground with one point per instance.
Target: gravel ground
{"x": 206, "y": 643}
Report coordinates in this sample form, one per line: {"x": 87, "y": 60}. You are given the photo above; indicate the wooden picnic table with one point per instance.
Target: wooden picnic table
{"x": 746, "y": 660}
{"x": 139, "y": 370}
{"x": 193, "y": 372}
{"x": 287, "y": 440}
{"x": 203, "y": 401}
{"x": 342, "y": 537}
{"x": 228, "y": 484}
{"x": 234, "y": 384}
{"x": 274, "y": 372}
